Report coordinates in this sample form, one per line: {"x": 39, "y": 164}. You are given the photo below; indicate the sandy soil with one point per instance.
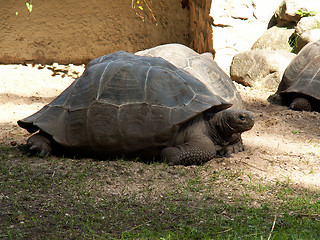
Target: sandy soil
{"x": 284, "y": 145}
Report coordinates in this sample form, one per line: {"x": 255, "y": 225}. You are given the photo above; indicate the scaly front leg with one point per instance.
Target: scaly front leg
{"x": 190, "y": 153}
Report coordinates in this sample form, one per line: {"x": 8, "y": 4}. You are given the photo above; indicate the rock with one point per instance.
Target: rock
{"x": 275, "y": 38}
{"x": 231, "y": 9}
{"x": 307, "y": 30}
{"x": 232, "y": 40}
{"x": 237, "y": 25}
{"x": 264, "y": 10}
{"x": 289, "y": 9}
{"x": 260, "y": 68}
{"x": 240, "y": 9}
{"x": 307, "y": 23}
{"x": 306, "y": 37}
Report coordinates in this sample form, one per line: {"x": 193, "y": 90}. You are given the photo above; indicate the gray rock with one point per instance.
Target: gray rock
{"x": 306, "y": 37}
{"x": 237, "y": 25}
{"x": 264, "y": 10}
{"x": 232, "y": 9}
{"x": 260, "y": 68}
{"x": 228, "y": 41}
{"x": 241, "y": 9}
{"x": 275, "y": 38}
{"x": 288, "y": 9}
{"x": 307, "y": 23}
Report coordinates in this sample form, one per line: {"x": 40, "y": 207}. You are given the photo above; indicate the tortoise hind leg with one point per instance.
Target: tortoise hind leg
{"x": 40, "y": 143}
{"x": 301, "y": 104}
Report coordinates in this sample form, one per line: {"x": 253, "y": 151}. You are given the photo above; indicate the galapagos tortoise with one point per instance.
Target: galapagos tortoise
{"x": 125, "y": 103}
{"x": 300, "y": 85}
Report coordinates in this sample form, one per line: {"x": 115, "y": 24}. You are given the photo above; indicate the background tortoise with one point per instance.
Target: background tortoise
{"x": 204, "y": 68}
{"x": 201, "y": 66}
{"x": 300, "y": 85}
{"x": 124, "y": 103}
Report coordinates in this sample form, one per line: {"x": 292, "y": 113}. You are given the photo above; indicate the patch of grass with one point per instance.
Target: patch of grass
{"x": 60, "y": 198}
{"x": 293, "y": 40}
{"x": 306, "y": 13}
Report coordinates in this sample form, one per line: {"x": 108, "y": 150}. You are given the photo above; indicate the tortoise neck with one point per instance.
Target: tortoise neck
{"x": 219, "y": 128}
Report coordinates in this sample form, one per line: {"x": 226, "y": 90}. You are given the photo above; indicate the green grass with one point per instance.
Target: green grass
{"x": 293, "y": 40}
{"x": 306, "y": 13}
{"x": 60, "y": 198}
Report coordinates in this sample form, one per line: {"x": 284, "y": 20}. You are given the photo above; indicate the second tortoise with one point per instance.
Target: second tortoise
{"x": 300, "y": 85}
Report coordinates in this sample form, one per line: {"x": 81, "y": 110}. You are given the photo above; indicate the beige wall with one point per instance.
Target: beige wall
{"x": 76, "y": 31}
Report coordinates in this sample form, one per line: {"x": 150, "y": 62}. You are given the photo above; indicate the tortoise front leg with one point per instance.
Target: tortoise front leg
{"x": 191, "y": 156}
{"x": 190, "y": 153}
{"x": 301, "y": 104}
{"x": 40, "y": 143}
{"x": 235, "y": 145}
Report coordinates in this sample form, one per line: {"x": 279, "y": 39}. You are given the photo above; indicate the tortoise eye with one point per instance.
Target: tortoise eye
{"x": 242, "y": 117}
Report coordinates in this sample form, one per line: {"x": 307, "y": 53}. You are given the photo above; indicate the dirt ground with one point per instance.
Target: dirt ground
{"x": 284, "y": 145}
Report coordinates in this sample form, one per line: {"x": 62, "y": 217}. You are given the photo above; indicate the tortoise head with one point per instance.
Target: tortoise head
{"x": 231, "y": 121}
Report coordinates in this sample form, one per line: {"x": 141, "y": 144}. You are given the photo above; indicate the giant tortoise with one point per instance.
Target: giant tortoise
{"x": 125, "y": 103}
{"x": 300, "y": 85}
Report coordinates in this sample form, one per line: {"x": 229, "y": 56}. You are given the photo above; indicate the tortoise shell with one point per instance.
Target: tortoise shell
{"x": 124, "y": 103}
{"x": 302, "y": 75}
{"x": 201, "y": 66}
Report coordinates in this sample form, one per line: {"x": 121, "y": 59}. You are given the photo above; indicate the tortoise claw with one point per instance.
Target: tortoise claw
{"x": 44, "y": 153}
{"x": 41, "y": 144}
